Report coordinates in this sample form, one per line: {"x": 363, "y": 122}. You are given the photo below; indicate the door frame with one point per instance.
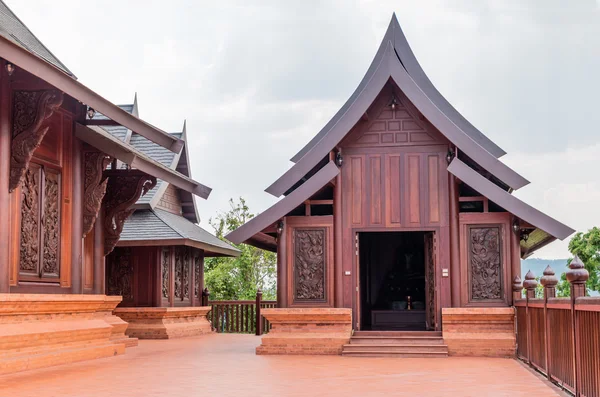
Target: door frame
{"x": 356, "y": 269}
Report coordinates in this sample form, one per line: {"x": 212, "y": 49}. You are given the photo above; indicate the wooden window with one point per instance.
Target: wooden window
{"x": 40, "y": 245}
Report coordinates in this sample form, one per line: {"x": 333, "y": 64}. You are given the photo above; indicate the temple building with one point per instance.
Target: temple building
{"x": 397, "y": 216}
{"x": 68, "y": 184}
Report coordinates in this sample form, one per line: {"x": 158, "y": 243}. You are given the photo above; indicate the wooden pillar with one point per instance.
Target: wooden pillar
{"x": 282, "y": 267}
{"x": 157, "y": 285}
{"x": 454, "y": 242}
{"x": 337, "y": 242}
{"x": 258, "y": 319}
{"x": 77, "y": 230}
{"x": 99, "y": 258}
{"x": 200, "y": 280}
{"x": 5, "y": 142}
{"x": 515, "y": 252}
{"x": 192, "y": 275}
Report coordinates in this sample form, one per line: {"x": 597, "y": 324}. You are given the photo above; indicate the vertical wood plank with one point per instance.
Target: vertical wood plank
{"x": 434, "y": 194}
{"x": 414, "y": 205}
{"x": 88, "y": 260}
{"x": 454, "y": 242}
{"x": 357, "y": 189}
{"x": 338, "y": 236}
{"x": 5, "y": 199}
{"x": 375, "y": 190}
{"x": 69, "y": 225}
{"x": 393, "y": 178}
{"x": 99, "y": 280}
{"x": 77, "y": 225}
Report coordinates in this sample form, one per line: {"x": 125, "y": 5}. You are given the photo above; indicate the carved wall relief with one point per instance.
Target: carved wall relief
{"x": 186, "y": 273}
{"x": 165, "y": 273}
{"x": 178, "y": 273}
{"x": 119, "y": 280}
{"x": 30, "y": 110}
{"x": 94, "y": 187}
{"x": 310, "y": 265}
{"x": 430, "y": 279}
{"x": 124, "y": 188}
{"x": 485, "y": 263}
{"x": 196, "y": 274}
{"x": 40, "y": 222}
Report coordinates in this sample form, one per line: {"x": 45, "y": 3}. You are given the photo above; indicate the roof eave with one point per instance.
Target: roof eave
{"x": 41, "y": 68}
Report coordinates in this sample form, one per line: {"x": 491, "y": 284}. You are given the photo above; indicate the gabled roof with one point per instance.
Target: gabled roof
{"x": 14, "y": 30}
{"x": 547, "y": 228}
{"x": 394, "y": 62}
{"x": 247, "y": 231}
{"x": 159, "y": 228}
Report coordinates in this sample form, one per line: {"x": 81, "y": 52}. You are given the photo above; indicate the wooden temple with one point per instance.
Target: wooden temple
{"x": 68, "y": 185}
{"x": 158, "y": 262}
{"x": 397, "y": 216}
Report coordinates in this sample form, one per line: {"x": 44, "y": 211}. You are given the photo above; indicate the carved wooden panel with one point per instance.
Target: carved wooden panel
{"x": 119, "y": 280}
{"x": 310, "y": 265}
{"x": 485, "y": 263}
{"x": 196, "y": 274}
{"x": 51, "y": 223}
{"x": 94, "y": 187}
{"x": 30, "y": 111}
{"x": 186, "y": 273}
{"x": 178, "y": 273}
{"x": 30, "y": 221}
{"x": 430, "y": 280}
{"x": 124, "y": 188}
{"x": 164, "y": 260}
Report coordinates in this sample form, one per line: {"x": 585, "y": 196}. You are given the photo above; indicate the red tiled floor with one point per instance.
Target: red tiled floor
{"x": 225, "y": 365}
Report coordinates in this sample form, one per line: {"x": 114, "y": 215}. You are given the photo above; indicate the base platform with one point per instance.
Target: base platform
{"x": 165, "y": 322}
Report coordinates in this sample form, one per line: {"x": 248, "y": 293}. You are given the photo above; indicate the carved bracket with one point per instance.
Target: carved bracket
{"x": 30, "y": 110}
{"x": 124, "y": 188}
{"x": 94, "y": 187}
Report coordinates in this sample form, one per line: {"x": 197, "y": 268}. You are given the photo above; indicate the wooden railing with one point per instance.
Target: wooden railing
{"x": 241, "y": 317}
{"x": 560, "y": 337}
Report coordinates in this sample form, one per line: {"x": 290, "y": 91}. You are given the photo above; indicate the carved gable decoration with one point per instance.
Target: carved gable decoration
{"x": 94, "y": 187}
{"x": 310, "y": 267}
{"x": 30, "y": 111}
{"x": 124, "y": 188}
{"x": 400, "y": 125}
{"x": 485, "y": 263}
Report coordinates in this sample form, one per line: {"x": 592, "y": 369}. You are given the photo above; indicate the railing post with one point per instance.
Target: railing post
{"x": 258, "y": 322}
{"x": 205, "y": 295}
{"x": 517, "y": 289}
{"x": 530, "y": 285}
{"x": 549, "y": 282}
{"x": 577, "y": 275}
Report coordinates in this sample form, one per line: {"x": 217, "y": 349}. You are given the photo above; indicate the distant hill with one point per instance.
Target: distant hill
{"x": 537, "y": 266}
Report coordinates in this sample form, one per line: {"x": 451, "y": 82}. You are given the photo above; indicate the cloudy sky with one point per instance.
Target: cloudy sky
{"x": 257, "y": 79}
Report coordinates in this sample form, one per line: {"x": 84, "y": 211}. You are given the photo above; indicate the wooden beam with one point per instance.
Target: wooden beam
{"x": 471, "y": 199}
{"x": 320, "y": 202}
{"x": 101, "y": 122}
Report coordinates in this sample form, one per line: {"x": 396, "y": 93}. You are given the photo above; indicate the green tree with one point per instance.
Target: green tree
{"x": 587, "y": 247}
{"x": 238, "y": 278}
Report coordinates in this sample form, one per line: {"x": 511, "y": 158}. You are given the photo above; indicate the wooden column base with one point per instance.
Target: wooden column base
{"x": 165, "y": 322}
{"x": 479, "y": 332}
{"x": 306, "y": 331}
{"x": 42, "y": 330}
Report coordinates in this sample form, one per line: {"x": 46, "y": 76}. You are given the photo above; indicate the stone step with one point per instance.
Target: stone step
{"x": 399, "y": 333}
{"x": 64, "y": 355}
{"x": 399, "y": 348}
{"x": 375, "y": 353}
{"x": 413, "y": 340}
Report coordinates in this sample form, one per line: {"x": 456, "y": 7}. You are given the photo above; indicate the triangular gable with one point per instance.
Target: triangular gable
{"x": 387, "y": 69}
{"x": 411, "y": 65}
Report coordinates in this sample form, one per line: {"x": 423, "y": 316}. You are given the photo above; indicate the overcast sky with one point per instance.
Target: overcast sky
{"x": 257, "y": 79}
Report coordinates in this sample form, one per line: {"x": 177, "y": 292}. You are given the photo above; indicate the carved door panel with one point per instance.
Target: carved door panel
{"x": 430, "y": 264}
{"x": 485, "y": 263}
{"x": 39, "y": 256}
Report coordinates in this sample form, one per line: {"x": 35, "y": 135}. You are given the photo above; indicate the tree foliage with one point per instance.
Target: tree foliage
{"x": 238, "y": 278}
{"x": 587, "y": 247}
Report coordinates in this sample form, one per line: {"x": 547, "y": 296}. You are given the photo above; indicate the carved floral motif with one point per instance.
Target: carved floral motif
{"x": 120, "y": 274}
{"x": 178, "y": 274}
{"x": 125, "y": 187}
{"x": 485, "y": 263}
{"x": 309, "y": 265}
{"x": 30, "y": 222}
{"x": 186, "y": 273}
{"x": 430, "y": 281}
{"x": 94, "y": 187}
{"x": 196, "y": 274}
{"x": 165, "y": 273}
{"x": 51, "y": 223}
{"x": 30, "y": 110}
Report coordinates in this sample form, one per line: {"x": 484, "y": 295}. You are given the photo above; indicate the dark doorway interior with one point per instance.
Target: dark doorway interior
{"x": 393, "y": 290}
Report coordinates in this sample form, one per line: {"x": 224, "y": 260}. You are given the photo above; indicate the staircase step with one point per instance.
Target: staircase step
{"x": 375, "y": 353}
{"x": 414, "y": 340}
{"x": 399, "y": 333}
{"x": 402, "y": 348}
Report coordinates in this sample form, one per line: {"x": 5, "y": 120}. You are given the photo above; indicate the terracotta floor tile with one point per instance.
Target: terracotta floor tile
{"x": 225, "y": 365}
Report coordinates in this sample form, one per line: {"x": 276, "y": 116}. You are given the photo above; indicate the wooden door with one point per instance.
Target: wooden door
{"x": 357, "y": 259}
{"x": 430, "y": 291}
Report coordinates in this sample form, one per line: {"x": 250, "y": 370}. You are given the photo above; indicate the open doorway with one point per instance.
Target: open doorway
{"x": 397, "y": 290}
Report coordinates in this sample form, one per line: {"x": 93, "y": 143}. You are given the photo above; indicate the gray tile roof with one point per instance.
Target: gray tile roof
{"x": 118, "y": 131}
{"x": 156, "y": 224}
{"x": 14, "y": 30}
